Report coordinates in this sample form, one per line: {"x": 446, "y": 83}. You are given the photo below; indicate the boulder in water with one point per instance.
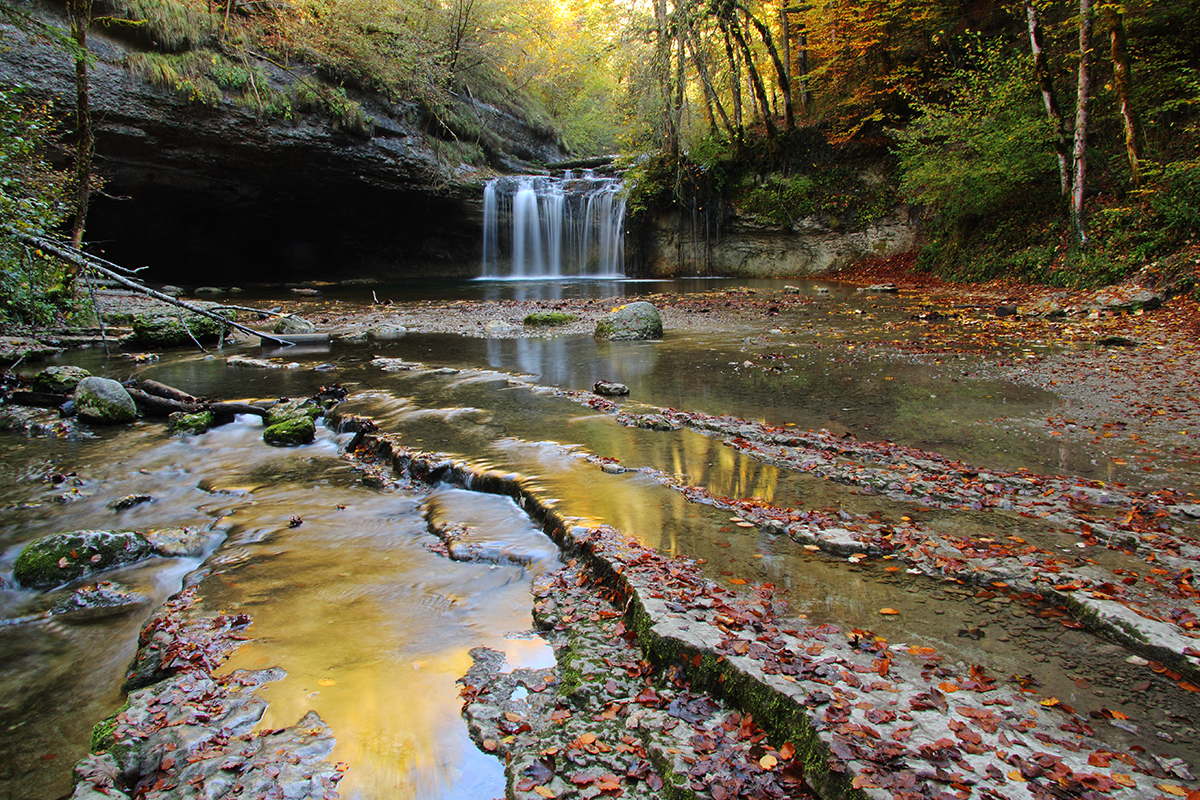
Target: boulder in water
{"x": 104, "y": 401}
{"x": 162, "y": 330}
{"x": 59, "y": 380}
{"x": 610, "y": 388}
{"x": 129, "y": 501}
{"x": 101, "y": 599}
{"x": 194, "y": 424}
{"x": 383, "y": 333}
{"x": 63, "y": 557}
{"x": 294, "y": 325}
{"x": 639, "y": 320}
{"x": 291, "y": 431}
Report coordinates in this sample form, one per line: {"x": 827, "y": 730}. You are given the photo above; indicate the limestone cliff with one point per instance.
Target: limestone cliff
{"x": 224, "y": 194}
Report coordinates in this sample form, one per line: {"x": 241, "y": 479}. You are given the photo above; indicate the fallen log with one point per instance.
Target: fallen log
{"x": 162, "y": 390}
{"x": 154, "y": 406}
{"x": 38, "y": 399}
{"x": 96, "y": 264}
{"x": 230, "y": 410}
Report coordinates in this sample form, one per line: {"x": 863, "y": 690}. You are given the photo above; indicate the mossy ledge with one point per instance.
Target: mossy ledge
{"x": 803, "y": 686}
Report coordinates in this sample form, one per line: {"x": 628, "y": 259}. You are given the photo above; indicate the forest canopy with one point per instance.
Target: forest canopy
{"x": 1048, "y": 140}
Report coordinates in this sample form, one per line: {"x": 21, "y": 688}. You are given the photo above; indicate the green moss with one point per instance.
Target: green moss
{"x": 102, "y": 734}
{"x": 172, "y": 331}
{"x": 291, "y": 431}
{"x": 549, "y": 318}
{"x": 181, "y": 422}
{"x": 54, "y": 560}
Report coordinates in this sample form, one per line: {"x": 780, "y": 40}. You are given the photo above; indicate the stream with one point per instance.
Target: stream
{"x": 374, "y": 627}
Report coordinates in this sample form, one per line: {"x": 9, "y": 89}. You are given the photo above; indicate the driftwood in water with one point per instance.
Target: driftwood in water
{"x": 153, "y": 405}
{"x": 38, "y": 399}
{"x": 162, "y": 390}
{"x": 95, "y": 264}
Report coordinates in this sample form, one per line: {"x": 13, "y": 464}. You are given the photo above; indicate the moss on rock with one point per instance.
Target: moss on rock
{"x": 63, "y": 557}
{"x": 160, "y": 330}
{"x": 291, "y": 431}
{"x": 59, "y": 380}
{"x": 104, "y": 401}
{"x": 182, "y": 422}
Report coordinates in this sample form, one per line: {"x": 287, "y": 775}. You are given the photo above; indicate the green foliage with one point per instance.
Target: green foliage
{"x": 33, "y": 201}
{"x": 166, "y": 25}
{"x": 187, "y": 73}
{"x": 981, "y": 147}
{"x": 309, "y": 95}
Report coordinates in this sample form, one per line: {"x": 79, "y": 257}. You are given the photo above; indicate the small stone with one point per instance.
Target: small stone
{"x": 610, "y": 388}
{"x": 286, "y": 325}
{"x": 129, "y": 501}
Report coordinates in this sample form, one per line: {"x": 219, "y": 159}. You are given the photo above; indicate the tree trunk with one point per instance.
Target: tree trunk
{"x": 1123, "y": 86}
{"x": 80, "y": 13}
{"x": 1083, "y": 96}
{"x": 760, "y": 90}
{"x": 662, "y": 58}
{"x": 781, "y": 71}
{"x": 736, "y": 82}
{"x": 710, "y": 93}
{"x": 1041, "y": 70}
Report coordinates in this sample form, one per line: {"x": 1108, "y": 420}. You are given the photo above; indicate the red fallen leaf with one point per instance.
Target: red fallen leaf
{"x": 490, "y": 745}
{"x": 787, "y": 751}
{"x": 1189, "y": 687}
{"x": 167, "y": 763}
{"x": 582, "y": 779}
{"x": 646, "y": 696}
{"x": 737, "y": 581}
{"x": 697, "y": 660}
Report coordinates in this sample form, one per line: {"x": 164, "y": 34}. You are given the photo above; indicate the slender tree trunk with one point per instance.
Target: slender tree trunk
{"x": 736, "y": 82}
{"x": 1041, "y": 69}
{"x": 80, "y": 15}
{"x": 1122, "y": 84}
{"x": 1083, "y": 96}
{"x": 662, "y": 57}
{"x": 781, "y": 71}
{"x": 710, "y": 93}
{"x": 760, "y": 90}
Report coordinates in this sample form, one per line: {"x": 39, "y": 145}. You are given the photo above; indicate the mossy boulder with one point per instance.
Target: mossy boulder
{"x": 64, "y": 557}
{"x": 104, "y": 401}
{"x": 287, "y": 409}
{"x": 161, "y": 330}
{"x": 59, "y": 380}
{"x": 182, "y": 422}
{"x": 634, "y": 321}
{"x": 295, "y": 430}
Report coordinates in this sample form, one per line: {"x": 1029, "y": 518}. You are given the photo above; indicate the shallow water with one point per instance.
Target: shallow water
{"x": 374, "y": 628}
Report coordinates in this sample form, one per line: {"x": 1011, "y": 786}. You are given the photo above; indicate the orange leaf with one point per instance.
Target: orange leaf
{"x": 1015, "y": 775}
{"x": 946, "y": 686}
{"x": 888, "y": 611}
{"x": 768, "y": 761}
{"x": 737, "y": 581}
{"x": 787, "y": 751}
{"x": 544, "y": 792}
{"x": 1171, "y": 788}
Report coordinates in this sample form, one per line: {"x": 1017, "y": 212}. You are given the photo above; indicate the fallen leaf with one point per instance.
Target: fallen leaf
{"x": 326, "y": 682}
{"x": 888, "y": 611}
{"x": 768, "y": 761}
{"x": 543, "y": 791}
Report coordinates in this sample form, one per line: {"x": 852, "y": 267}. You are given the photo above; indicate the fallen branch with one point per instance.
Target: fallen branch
{"x": 96, "y": 264}
{"x": 155, "y": 406}
{"x": 38, "y": 399}
{"x": 162, "y": 390}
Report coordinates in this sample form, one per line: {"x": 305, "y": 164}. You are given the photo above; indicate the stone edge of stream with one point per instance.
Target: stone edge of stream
{"x": 927, "y": 728}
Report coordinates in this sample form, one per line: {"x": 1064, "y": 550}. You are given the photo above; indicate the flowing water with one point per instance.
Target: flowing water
{"x": 374, "y": 627}
{"x": 543, "y": 227}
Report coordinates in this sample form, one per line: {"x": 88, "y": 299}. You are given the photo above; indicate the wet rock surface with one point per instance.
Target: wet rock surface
{"x": 103, "y": 401}
{"x": 633, "y": 321}
{"x": 54, "y": 560}
{"x": 186, "y": 733}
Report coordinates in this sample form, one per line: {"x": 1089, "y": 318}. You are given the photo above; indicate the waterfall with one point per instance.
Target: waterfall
{"x": 543, "y": 227}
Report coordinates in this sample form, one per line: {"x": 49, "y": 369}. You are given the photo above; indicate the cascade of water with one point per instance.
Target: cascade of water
{"x": 542, "y": 227}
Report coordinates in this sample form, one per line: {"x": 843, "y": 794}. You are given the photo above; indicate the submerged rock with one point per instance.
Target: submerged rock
{"x": 100, "y": 599}
{"x": 178, "y": 542}
{"x": 386, "y": 332}
{"x": 63, "y": 557}
{"x": 104, "y": 401}
{"x": 129, "y": 501}
{"x": 635, "y": 321}
{"x": 59, "y": 380}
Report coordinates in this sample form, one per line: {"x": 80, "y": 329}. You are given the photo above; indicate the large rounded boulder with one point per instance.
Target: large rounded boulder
{"x": 64, "y": 557}
{"x": 638, "y": 320}
{"x": 104, "y": 401}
